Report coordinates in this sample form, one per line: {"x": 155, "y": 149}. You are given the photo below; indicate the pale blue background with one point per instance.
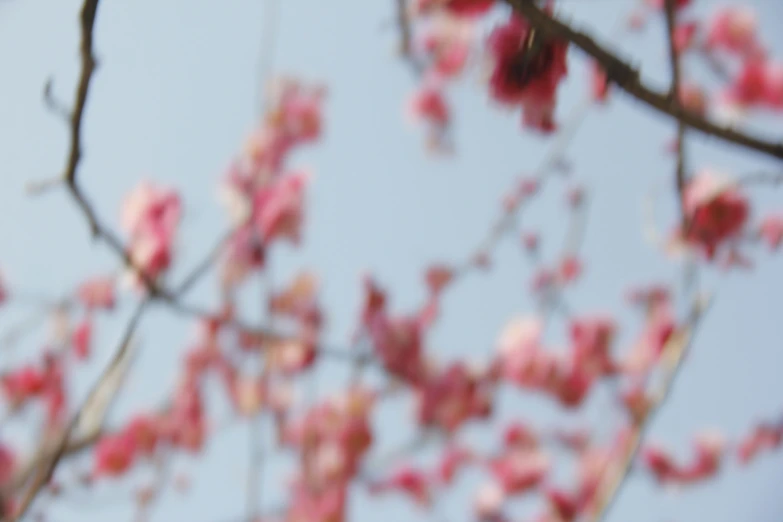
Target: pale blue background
{"x": 175, "y": 96}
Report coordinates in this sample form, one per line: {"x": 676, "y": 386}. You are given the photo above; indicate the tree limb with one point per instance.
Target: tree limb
{"x": 627, "y": 78}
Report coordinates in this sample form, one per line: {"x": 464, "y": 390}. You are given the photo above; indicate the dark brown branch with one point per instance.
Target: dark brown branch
{"x": 627, "y": 78}
{"x": 674, "y": 93}
{"x": 89, "y": 10}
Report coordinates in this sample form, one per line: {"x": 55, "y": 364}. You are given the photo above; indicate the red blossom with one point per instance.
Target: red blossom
{"x": 526, "y": 77}
{"x": 8, "y": 463}
{"x": 771, "y": 230}
{"x": 82, "y": 338}
{"x": 438, "y": 277}
{"x": 716, "y": 212}
{"x": 279, "y": 208}
{"x": 97, "y": 293}
{"x": 762, "y": 437}
{"x": 591, "y": 339}
{"x": 598, "y": 82}
{"x": 398, "y": 344}
{"x": 450, "y": 397}
{"x": 519, "y": 471}
{"x": 453, "y": 459}
{"x": 733, "y": 29}
{"x": 410, "y": 481}
{"x": 114, "y": 455}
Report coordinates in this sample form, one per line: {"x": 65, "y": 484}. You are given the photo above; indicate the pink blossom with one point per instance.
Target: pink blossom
{"x": 773, "y": 84}
{"x": 569, "y": 270}
{"x": 733, "y": 29}
{"x": 144, "y": 431}
{"x": 114, "y": 455}
{"x": 299, "y": 301}
{"x": 518, "y": 471}
{"x": 149, "y": 207}
{"x": 23, "y": 384}
{"x": 598, "y": 82}
{"x": 449, "y": 397}
{"x": 489, "y": 502}
{"x": 244, "y": 254}
{"x": 81, "y": 339}
{"x": 8, "y": 463}
{"x": 150, "y": 216}
{"x": 447, "y": 44}
{"x": 468, "y": 8}
{"x": 429, "y": 104}
{"x": 398, "y": 344}
{"x": 659, "y": 462}
{"x": 408, "y": 480}
{"x": 519, "y": 436}
{"x": 749, "y": 87}
{"x": 659, "y": 327}
{"x": 97, "y": 293}
{"x": 291, "y": 356}
{"x": 279, "y": 208}
{"x": 771, "y": 230}
{"x": 763, "y": 437}
{"x": 564, "y": 504}
{"x": 693, "y": 98}
{"x": 451, "y": 461}
{"x": 325, "y": 504}
{"x": 685, "y": 36}
{"x": 716, "y": 212}
{"x": 591, "y": 339}
{"x": 519, "y": 78}
{"x": 438, "y": 278}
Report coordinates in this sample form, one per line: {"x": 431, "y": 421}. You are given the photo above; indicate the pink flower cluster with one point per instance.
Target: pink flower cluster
{"x": 441, "y": 50}
{"x": 43, "y": 382}
{"x": 565, "y": 376}
{"x": 331, "y": 440}
{"x": 716, "y": 213}
{"x": 527, "y": 72}
{"x": 265, "y": 200}
{"x": 706, "y": 462}
{"x": 150, "y": 217}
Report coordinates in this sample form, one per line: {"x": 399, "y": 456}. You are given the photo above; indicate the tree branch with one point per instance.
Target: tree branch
{"x": 46, "y": 465}
{"x": 673, "y": 355}
{"x": 627, "y": 78}
{"x": 674, "y": 94}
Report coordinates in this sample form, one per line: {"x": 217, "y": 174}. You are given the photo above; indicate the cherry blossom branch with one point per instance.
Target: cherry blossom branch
{"x": 673, "y": 355}
{"x": 674, "y": 93}
{"x": 627, "y": 78}
{"x": 46, "y": 466}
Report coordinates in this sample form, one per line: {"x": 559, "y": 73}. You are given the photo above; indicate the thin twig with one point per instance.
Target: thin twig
{"x": 674, "y": 94}
{"x": 47, "y": 466}
{"x": 673, "y": 355}
{"x": 406, "y": 37}
{"x": 627, "y": 78}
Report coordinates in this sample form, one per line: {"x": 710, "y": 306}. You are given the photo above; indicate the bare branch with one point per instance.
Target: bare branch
{"x": 627, "y": 78}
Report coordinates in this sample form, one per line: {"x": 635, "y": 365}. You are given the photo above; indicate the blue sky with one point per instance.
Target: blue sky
{"x": 176, "y": 93}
